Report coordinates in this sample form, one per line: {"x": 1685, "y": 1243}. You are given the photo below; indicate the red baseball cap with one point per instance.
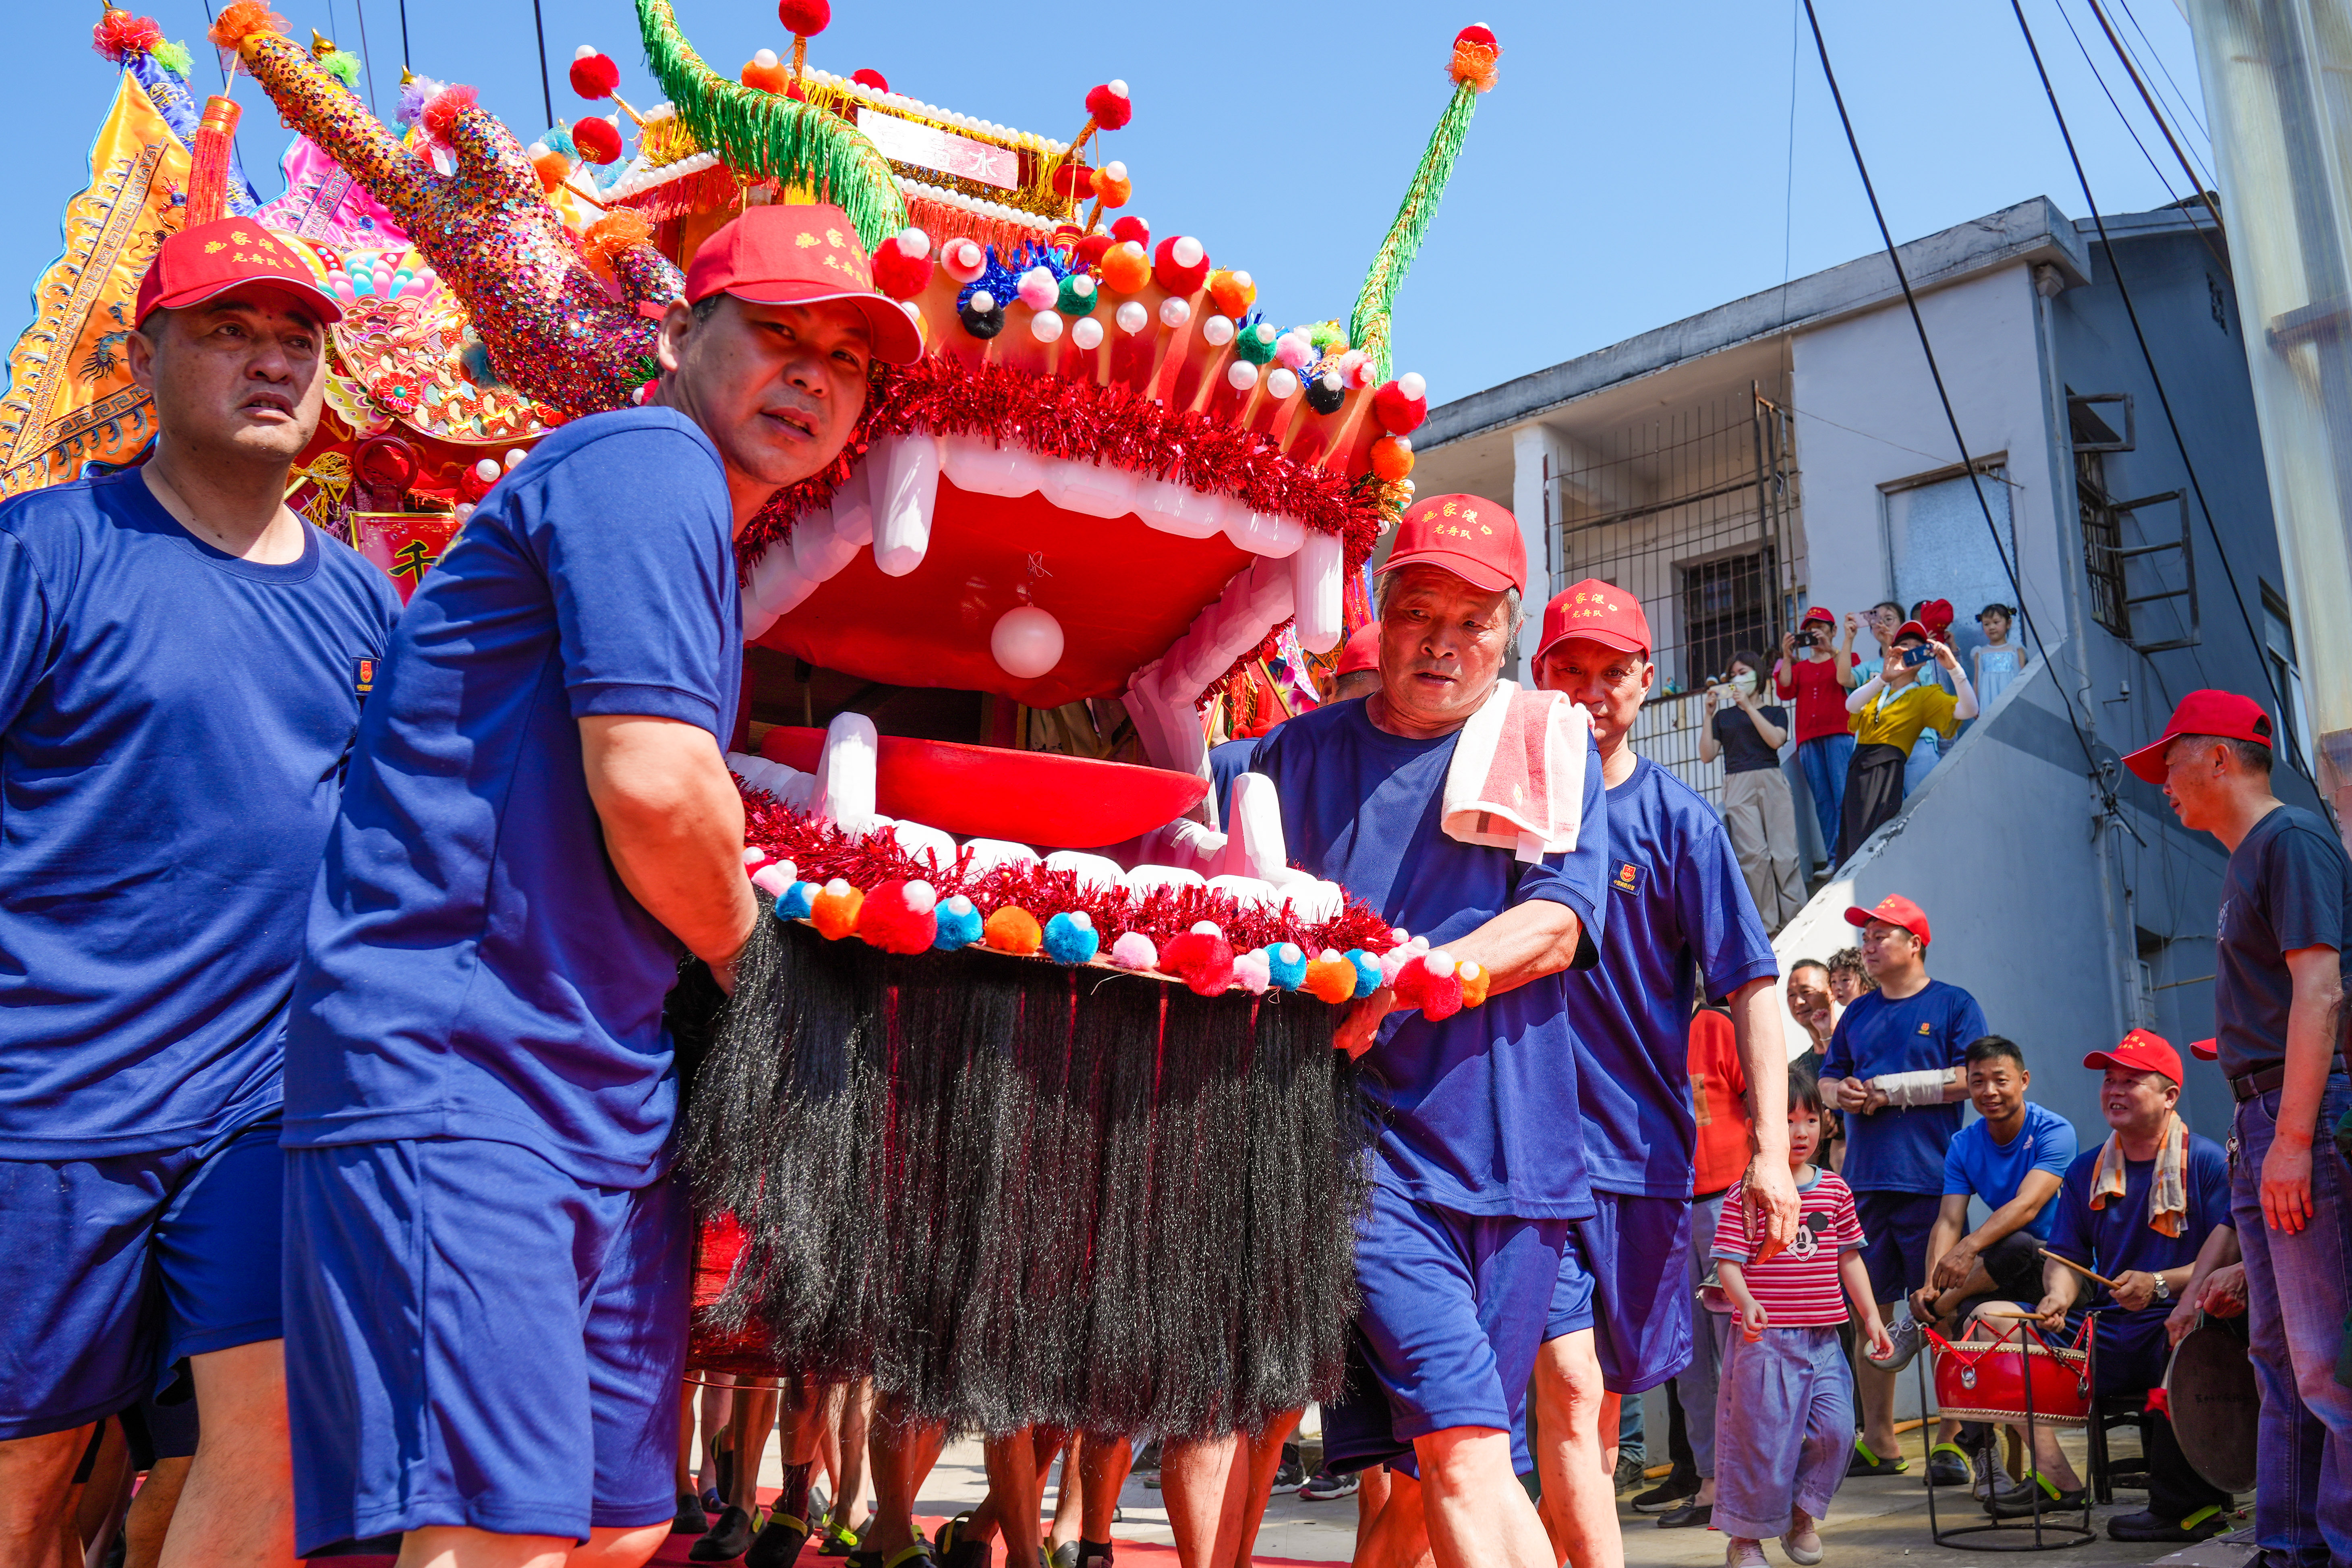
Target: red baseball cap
{"x": 1469, "y": 536}
{"x": 1895, "y": 911}
{"x": 1913, "y": 630}
{"x": 1601, "y": 611}
{"x": 2203, "y": 712}
{"x": 1818, "y": 612}
{"x": 211, "y": 259}
{"x": 1361, "y": 652}
{"x": 2139, "y": 1051}
{"x": 2205, "y": 1050}
{"x": 802, "y": 254}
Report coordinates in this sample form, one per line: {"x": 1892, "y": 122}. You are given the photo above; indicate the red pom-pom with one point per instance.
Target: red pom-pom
{"x": 1474, "y": 54}
{"x": 1074, "y": 180}
{"x": 1110, "y": 105}
{"x": 1133, "y": 228}
{"x": 598, "y": 138}
{"x": 899, "y": 917}
{"x": 902, "y": 265}
{"x": 595, "y": 77}
{"x": 870, "y": 78}
{"x": 440, "y": 116}
{"x": 805, "y": 18}
{"x": 119, "y": 36}
{"x": 1175, "y": 273}
{"x": 1398, "y": 414}
{"x": 1204, "y": 963}
{"x": 1474, "y": 34}
{"x": 1439, "y": 996}
{"x": 1091, "y": 249}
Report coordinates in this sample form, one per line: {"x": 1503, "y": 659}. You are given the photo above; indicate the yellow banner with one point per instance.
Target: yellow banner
{"x": 70, "y": 399}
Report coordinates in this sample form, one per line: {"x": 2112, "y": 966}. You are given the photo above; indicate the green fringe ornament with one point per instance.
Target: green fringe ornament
{"x": 762, "y": 133}
{"x": 343, "y": 66}
{"x": 173, "y": 57}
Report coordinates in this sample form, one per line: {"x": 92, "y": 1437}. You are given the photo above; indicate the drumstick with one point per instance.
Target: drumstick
{"x": 2077, "y": 1267}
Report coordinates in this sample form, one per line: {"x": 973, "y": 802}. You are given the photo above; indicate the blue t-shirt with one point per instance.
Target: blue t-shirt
{"x": 2288, "y": 886}
{"x": 2117, "y": 1237}
{"x": 475, "y": 969}
{"x": 1679, "y": 908}
{"x": 172, "y": 726}
{"x": 1977, "y": 1165}
{"x": 1228, "y": 759}
{"x": 1893, "y": 1150}
{"x": 1479, "y": 1110}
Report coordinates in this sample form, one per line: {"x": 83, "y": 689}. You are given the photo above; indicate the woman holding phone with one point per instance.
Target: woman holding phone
{"x": 1891, "y": 707}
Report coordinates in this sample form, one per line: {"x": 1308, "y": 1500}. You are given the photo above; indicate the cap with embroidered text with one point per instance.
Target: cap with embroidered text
{"x": 1895, "y": 911}
{"x": 197, "y": 264}
{"x": 1600, "y": 610}
{"x": 1469, "y": 536}
{"x": 2139, "y": 1051}
{"x": 800, "y": 255}
{"x": 2204, "y": 712}
{"x": 1818, "y": 612}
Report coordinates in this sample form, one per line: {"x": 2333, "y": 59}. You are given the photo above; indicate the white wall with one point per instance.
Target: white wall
{"x": 1867, "y": 414}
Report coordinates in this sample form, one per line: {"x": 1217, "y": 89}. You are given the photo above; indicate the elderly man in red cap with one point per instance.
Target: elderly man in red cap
{"x": 181, "y": 663}
{"x": 485, "y": 1287}
{"x": 1480, "y": 1171}
{"x": 1680, "y": 912}
{"x": 2281, "y": 972}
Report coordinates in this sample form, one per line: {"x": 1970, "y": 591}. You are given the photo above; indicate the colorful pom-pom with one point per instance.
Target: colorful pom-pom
{"x": 120, "y": 35}
{"x": 1286, "y": 965}
{"x": 553, "y": 167}
{"x": 1038, "y": 289}
{"x": 1112, "y": 186}
{"x": 775, "y": 880}
{"x": 1071, "y": 938}
{"x": 1232, "y": 290}
{"x": 1475, "y": 978}
{"x": 982, "y": 316}
{"x": 898, "y": 917}
{"x": 1202, "y": 959}
{"x": 963, "y": 258}
{"x": 1294, "y": 350}
{"x": 1326, "y": 393}
{"x": 795, "y": 903}
{"x": 598, "y": 138}
{"x": 1331, "y": 977}
{"x": 959, "y": 924}
{"x": 1474, "y": 54}
{"x": 834, "y": 910}
{"x": 1012, "y": 930}
{"x": 1253, "y": 344}
{"x": 1110, "y": 105}
{"x": 765, "y": 72}
{"x": 871, "y": 79}
{"x": 1401, "y": 405}
{"x": 1132, "y": 230}
{"x": 613, "y": 233}
{"x": 1392, "y": 457}
{"x": 1092, "y": 249}
{"x": 1133, "y": 950}
{"x": 805, "y": 18}
{"x": 902, "y": 264}
{"x": 1428, "y": 981}
{"x": 594, "y": 76}
{"x": 1367, "y": 971}
{"x": 1125, "y": 267}
{"x": 243, "y": 19}
{"x": 1075, "y": 297}
{"x": 1181, "y": 264}
{"x": 1074, "y": 180}
{"x": 1251, "y": 972}
{"x": 440, "y": 118}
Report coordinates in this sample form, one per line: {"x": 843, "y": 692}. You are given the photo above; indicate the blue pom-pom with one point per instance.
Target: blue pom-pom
{"x": 796, "y": 903}
{"x": 1071, "y": 938}
{"x": 959, "y": 923}
{"x": 1285, "y": 965}
{"x": 1367, "y": 971}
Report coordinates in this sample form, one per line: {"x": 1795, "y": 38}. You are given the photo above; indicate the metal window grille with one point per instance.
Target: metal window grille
{"x": 1695, "y": 511}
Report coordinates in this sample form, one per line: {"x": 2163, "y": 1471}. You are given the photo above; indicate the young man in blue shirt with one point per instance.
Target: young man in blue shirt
{"x": 182, "y": 666}
{"x": 2139, "y": 1210}
{"x": 1479, "y": 1171}
{"x": 488, "y": 1267}
{"x": 1680, "y": 912}
{"x": 1893, "y": 1068}
{"x": 2282, "y": 950}
{"x": 2012, "y": 1159}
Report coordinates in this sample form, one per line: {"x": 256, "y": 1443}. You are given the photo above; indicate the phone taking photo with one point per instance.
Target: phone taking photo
{"x": 1914, "y": 657}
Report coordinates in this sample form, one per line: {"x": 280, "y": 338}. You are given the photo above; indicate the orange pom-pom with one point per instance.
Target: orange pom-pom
{"x": 833, "y": 911}
{"x": 1113, "y": 189}
{"x": 1233, "y": 291}
{"x": 1392, "y": 457}
{"x": 243, "y": 19}
{"x": 1126, "y": 267}
{"x": 1474, "y": 54}
{"x": 774, "y": 77}
{"x": 1012, "y": 930}
{"x": 1331, "y": 977}
{"x": 553, "y": 168}
{"x": 613, "y": 233}
{"x": 1475, "y": 978}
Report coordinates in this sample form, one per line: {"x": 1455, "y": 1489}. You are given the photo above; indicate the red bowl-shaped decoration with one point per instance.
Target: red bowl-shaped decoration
{"x": 1038, "y": 799}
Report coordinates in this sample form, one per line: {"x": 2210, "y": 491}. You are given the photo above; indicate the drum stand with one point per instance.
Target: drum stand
{"x": 2049, "y": 1535}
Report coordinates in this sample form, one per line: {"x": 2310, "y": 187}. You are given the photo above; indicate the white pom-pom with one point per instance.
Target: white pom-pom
{"x": 1412, "y": 387}
{"x": 1280, "y": 383}
{"x": 1186, "y": 252}
{"x": 1206, "y": 928}
{"x": 766, "y": 59}
{"x": 1045, "y": 326}
{"x": 1087, "y": 332}
{"x": 1218, "y": 331}
{"x": 1174, "y": 312}
{"x": 1241, "y": 376}
{"x": 486, "y": 470}
{"x": 1132, "y": 318}
{"x": 585, "y": 52}
{"x": 921, "y": 897}
{"x": 915, "y": 243}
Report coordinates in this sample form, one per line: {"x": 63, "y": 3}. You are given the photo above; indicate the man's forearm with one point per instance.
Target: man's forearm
{"x": 2311, "y": 1041}
{"x": 1522, "y": 944}
{"x": 674, "y": 827}
{"x": 1764, "y": 1061}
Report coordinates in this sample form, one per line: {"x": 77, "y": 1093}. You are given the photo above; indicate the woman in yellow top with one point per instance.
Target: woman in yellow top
{"x": 1890, "y": 710}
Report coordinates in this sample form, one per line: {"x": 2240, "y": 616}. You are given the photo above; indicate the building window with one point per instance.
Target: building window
{"x": 2103, "y": 538}
{"x": 2287, "y": 674}
{"x": 1728, "y": 606}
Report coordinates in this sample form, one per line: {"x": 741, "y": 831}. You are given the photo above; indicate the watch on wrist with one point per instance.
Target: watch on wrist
{"x": 2163, "y": 1290}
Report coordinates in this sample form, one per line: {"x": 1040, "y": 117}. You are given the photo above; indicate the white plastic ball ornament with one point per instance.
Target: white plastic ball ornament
{"x": 1186, "y": 252}
{"x": 1174, "y": 312}
{"x": 584, "y": 52}
{"x": 1132, "y": 318}
{"x": 983, "y": 301}
{"x": 1114, "y": 169}
{"x": 1241, "y": 376}
{"x": 1026, "y": 642}
{"x": 1411, "y": 384}
{"x": 1281, "y": 382}
{"x": 963, "y": 258}
{"x": 766, "y": 59}
{"x": 486, "y": 470}
{"x": 1087, "y": 332}
{"x": 1218, "y": 331}
{"x": 913, "y": 243}
{"x": 515, "y": 455}
{"x": 464, "y": 511}
{"x": 1045, "y": 326}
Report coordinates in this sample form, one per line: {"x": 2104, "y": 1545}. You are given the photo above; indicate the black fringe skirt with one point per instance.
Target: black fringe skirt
{"x": 1017, "y": 1194}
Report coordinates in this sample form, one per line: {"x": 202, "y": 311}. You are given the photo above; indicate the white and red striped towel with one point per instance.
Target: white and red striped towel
{"x": 1516, "y": 781}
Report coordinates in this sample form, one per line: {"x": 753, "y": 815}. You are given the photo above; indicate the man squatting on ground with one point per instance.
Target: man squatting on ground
{"x": 480, "y": 1094}
{"x": 1619, "y": 1320}
{"x": 1479, "y": 1172}
{"x": 182, "y": 665}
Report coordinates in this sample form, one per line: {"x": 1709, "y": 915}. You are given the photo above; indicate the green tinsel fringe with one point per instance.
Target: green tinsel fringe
{"x": 762, "y": 133}
{"x": 173, "y": 57}
{"x": 1367, "y": 327}
{"x": 344, "y": 66}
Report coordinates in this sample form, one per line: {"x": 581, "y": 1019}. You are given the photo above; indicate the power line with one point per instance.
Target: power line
{"x": 546, "y": 94}
{"x": 1976, "y": 480}
{"x": 367, "y": 55}
{"x": 404, "y": 56}
{"x": 2202, "y": 188}
{"x": 2123, "y": 291}
{"x": 2188, "y": 104}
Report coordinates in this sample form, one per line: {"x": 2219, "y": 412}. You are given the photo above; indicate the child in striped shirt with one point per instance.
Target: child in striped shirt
{"x": 1784, "y": 1408}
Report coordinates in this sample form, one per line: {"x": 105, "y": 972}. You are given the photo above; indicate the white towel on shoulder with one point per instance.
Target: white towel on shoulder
{"x": 1516, "y": 781}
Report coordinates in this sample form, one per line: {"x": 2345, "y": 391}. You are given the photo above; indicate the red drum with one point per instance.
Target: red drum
{"x": 1985, "y": 1380}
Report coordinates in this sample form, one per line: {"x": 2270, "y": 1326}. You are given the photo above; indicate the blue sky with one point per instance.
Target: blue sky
{"x": 1635, "y": 165}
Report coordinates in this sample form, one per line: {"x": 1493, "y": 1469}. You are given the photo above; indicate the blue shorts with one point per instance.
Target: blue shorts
{"x": 1454, "y": 1315}
{"x": 115, "y": 1271}
{"x": 1633, "y": 1290}
{"x": 475, "y": 1338}
{"x": 1894, "y": 1230}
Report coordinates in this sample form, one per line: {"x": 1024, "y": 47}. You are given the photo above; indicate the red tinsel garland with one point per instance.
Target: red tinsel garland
{"x": 1077, "y": 421}
{"x": 820, "y": 851}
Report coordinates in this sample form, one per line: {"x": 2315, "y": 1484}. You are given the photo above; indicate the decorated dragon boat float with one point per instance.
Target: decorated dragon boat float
{"x": 1026, "y": 1104}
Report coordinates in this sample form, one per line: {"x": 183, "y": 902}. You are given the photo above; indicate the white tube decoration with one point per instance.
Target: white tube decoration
{"x": 1094, "y": 869}
{"x": 987, "y": 854}
{"x": 1318, "y": 572}
{"x": 845, "y": 771}
{"x": 907, "y": 490}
